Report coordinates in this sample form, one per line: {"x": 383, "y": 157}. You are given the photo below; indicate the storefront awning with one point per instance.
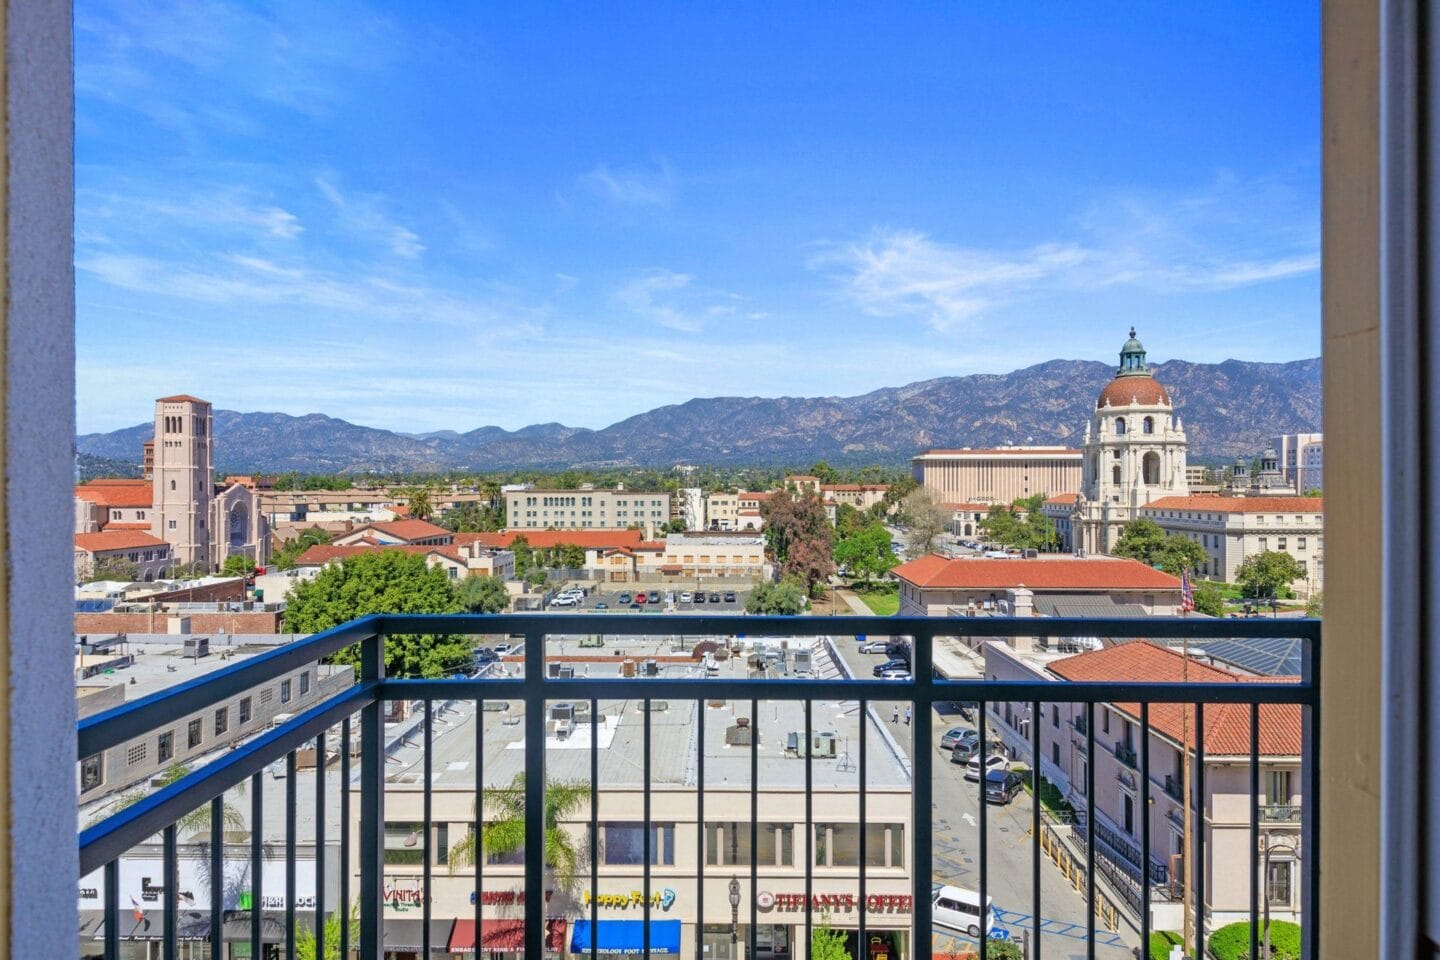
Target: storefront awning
{"x": 408, "y": 934}
{"x": 627, "y": 936}
{"x": 502, "y": 935}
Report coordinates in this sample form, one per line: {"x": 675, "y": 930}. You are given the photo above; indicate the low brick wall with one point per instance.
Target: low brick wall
{"x": 200, "y": 623}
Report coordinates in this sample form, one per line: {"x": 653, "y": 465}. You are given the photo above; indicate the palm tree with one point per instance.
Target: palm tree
{"x": 505, "y": 834}
{"x": 418, "y": 501}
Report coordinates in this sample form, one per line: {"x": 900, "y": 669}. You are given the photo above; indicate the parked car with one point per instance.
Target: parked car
{"x": 624, "y": 598}
{"x": 874, "y": 646}
{"x": 1002, "y": 785}
{"x": 602, "y": 605}
{"x": 964, "y": 751}
{"x": 714, "y": 598}
{"x": 959, "y": 909}
{"x": 895, "y": 673}
{"x": 729, "y": 596}
{"x": 505, "y": 648}
{"x": 485, "y": 655}
{"x": 699, "y": 598}
{"x": 955, "y": 735}
{"x": 654, "y": 596}
{"x": 685, "y": 597}
{"x": 562, "y": 600}
{"x": 641, "y": 598}
{"x": 993, "y": 761}
{"x": 891, "y": 665}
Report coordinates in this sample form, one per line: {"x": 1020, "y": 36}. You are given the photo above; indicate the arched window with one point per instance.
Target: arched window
{"x": 1115, "y": 474}
{"x": 1151, "y": 465}
{"x": 1149, "y": 425}
{"x": 1119, "y": 426}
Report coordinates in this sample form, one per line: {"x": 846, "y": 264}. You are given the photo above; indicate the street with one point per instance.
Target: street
{"x": 1009, "y": 846}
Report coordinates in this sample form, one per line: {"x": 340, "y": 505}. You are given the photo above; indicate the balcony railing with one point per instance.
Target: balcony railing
{"x": 353, "y": 726}
{"x": 1174, "y": 789}
{"x": 1126, "y": 755}
{"x": 1280, "y": 812}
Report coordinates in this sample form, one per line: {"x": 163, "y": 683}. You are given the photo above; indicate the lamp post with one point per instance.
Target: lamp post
{"x": 1283, "y": 846}
{"x": 734, "y": 913}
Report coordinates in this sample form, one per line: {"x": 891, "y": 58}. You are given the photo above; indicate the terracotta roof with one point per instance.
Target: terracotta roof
{"x": 1044, "y": 573}
{"x": 1122, "y": 391}
{"x": 590, "y": 539}
{"x": 117, "y": 493}
{"x": 1215, "y": 504}
{"x": 969, "y": 506}
{"x": 115, "y": 540}
{"x": 1063, "y": 498}
{"x": 117, "y": 525}
{"x": 323, "y": 553}
{"x": 1068, "y": 452}
{"x": 405, "y": 529}
{"x": 399, "y": 509}
{"x": 755, "y": 496}
{"x": 1227, "y": 725}
{"x": 182, "y": 398}
{"x": 801, "y": 476}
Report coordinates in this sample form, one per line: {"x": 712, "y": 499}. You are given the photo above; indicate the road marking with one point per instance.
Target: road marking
{"x": 968, "y": 819}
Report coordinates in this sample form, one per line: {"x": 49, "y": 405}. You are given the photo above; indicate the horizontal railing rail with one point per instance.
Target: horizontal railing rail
{"x": 102, "y": 844}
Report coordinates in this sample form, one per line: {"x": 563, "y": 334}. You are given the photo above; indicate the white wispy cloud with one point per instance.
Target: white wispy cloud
{"x": 362, "y": 214}
{"x": 641, "y": 188}
{"x": 667, "y": 298}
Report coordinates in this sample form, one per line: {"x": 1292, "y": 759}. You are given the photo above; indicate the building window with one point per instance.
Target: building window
{"x": 194, "y": 733}
{"x": 222, "y": 721}
{"x": 91, "y": 773}
{"x": 172, "y": 524}
{"x": 1264, "y": 543}
{"x": 1055, "y": 753}
{"x": 114, "y": 514}
{"x": 1281, "y": 543}
{"x": 304, "y": 683}
{"x": 728, "y": 844}
{"x": 838, "y": 844}
{"x": 245, "y": 713}
{"x": 1148, "y": 425}
{"x": 1054, "y": 715}
{"x": 165, "y": 748}
{"x": 1277, "y": 884}
{"x": 1105, "y": 720}
{"x": 1119, "y": 426}
{"x": 284, "y": 691}
{"x": 1300, "y": 543}
{"x": 623, "y": 843}
{"x": 404, "y": 843}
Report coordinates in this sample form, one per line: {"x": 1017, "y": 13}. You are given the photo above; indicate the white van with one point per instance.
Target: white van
{"x": 959, "y": 909}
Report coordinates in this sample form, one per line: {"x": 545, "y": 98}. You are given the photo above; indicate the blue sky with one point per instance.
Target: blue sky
{"x": 425, "y": 216}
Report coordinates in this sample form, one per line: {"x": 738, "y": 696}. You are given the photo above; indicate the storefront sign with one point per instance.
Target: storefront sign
{"x": 504, "y": 898}
{"x": 663, "y": 899}
{"x": 875, "y": 902}
{"x": 142, "y": 884}
{"x": 402, "y": 898}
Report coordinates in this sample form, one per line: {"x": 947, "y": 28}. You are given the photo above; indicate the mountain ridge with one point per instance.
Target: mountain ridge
{"x": 1229, "y": 409}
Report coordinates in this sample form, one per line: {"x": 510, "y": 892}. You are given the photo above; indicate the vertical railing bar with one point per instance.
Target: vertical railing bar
{"x": 649, "y": 840}
{"x": 595, "y": 829}
{"x": 810, "y": 828}
{"x": 984, "y": 821}
{"x": 172, "y": 890}
{"x": 864, "y": 900}
{"x": 257, "y": 831}
{"x": 1145, "y": 828}
{"x": 534, "y": 689}
{"x": 427, "y": 740}
{"x": 1255, "y": 879}
{"x": 372, "y": 800}
{"x": 754, "y": 823}
{"x": 217, "y": 872}
{"x": 320, "y": 812}
{"x": 702, "y": 852}
{"x": 923, "y": 790}
{"x": 1199, "y": 801}
{"x": 345, "y": 837}
{"x": 112, "y": 910}
{"x": 477, "y": 826}
{"x": 1090, "y": 831}
{"x": 1037, "y": 721}
{"x": 1310, "y": 800}
{"x": 290, "y": 823}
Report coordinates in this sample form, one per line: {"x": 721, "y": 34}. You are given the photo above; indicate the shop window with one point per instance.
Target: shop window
{"x": 404, "y": 843}
{"x": 728, "y": 844}
{"x": 623, "y": 843}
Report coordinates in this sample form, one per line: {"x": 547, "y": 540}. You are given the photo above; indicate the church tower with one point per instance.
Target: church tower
{"x": 1134, "y": 453}
{"x": 183, "y": 478}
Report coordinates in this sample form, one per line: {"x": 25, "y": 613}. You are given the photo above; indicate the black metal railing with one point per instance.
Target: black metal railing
{"x": 1280, "y": 812}
{"x": 103, "y": 845}
{"x": 1126, "y": 755}
{"x": 1174, "y": 789}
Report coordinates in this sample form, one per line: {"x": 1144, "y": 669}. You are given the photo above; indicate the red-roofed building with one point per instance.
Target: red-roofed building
{"x": 1233, "y": 529}
{"x": 398, "y": 533}
{"x": 472, "y": 559}
{"x": 965, "y": 518}
{"x": 861, "y": 496}
{"x": 1223, "y": 817}
{"x": 149, "y": 554}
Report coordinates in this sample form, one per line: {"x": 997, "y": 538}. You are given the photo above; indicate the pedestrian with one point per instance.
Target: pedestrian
{"x": 895, "y": 714}
{"x": 907, "y": 714}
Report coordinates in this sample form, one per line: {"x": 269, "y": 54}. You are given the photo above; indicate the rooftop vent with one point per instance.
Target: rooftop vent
{"x": 741, "y": 734}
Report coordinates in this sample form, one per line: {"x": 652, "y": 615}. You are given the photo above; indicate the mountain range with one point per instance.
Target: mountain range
{"x": 1229, "y": 409}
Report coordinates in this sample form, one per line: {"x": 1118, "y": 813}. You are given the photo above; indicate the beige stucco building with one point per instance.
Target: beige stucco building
{"x": 1233, "y": 529}
{"x": 586, "y": 509}
{"x": 1000, "y": 475}
{"x": 1134, "y": 453}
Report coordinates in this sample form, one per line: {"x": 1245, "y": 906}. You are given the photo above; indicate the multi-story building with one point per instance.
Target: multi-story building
{"x": 1061, "y": 511}
{"x": 1232, "y": 529}
{"x": 1134, "y": 453}
{"x": 861, "y": 496}
{"x": 722, "y": 510}
{"x": 1221, "y": 811}
{"x": 1312, "y": 468}
{"x": 999, "y": 475}
{"x": 587, "y": 509}
{"x": 1292, "y": 450}
{"x": 689, "y": 850}
{"x": 95, "y": 552}
{"x": 180, "y": 505}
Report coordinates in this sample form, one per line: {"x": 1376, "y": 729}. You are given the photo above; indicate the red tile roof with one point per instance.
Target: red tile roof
{"x": 1146, "y": 391}
{"x": 590, "y": 539}
{"x": 182, "y": 398}
{"x": 115, "y": 540}
{"x": 1063, "y": 498}
{"x": 1227, "y": 725}
{"x": 405, "y": 529}
{"x": 1217, "y": 504}
{"x": 117, "y": 493}
{"x": 969, "y": 506}
{"x": 1045, "y": 573}
{"x": 117, "y": 525}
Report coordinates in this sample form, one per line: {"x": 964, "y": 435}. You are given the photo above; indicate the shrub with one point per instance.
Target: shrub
{"x": 1232, "y": 941}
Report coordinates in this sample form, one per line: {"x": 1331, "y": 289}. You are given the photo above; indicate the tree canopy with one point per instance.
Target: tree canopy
{"x": 866, "y": 552}
{"x": 385, "y": 581}
{"x": 1268, "y": 573}
{"x": 483, "y": 594}
{"x": 1209, "y": 600}
{"x": 1143, "y": 540}
{"x": 237, "y": 565}
{"x": 925, "y": 518}
{"x": 799, "y": 537}
{"x": 786, "y": 598}
{"x": 285, "y": 557}
{"x": 1030, "y": 531}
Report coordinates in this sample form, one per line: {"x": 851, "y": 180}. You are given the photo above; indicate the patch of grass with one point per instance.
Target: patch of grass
{"x": 883, "y": 599}
{"x": 1160, "y": 943}
{"x": 1050, "y": 797}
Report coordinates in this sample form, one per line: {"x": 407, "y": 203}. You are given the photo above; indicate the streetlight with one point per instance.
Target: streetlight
{"x": 734, "y": 912}
{"x": 1282, "y": 846}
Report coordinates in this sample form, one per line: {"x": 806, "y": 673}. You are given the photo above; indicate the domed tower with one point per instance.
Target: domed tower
{"x": 1134, "y": 452}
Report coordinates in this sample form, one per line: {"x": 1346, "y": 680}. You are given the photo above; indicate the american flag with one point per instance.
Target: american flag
{"x": 1187, "y": 595}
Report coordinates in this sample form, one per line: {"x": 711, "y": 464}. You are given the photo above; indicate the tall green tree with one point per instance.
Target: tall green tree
{"x": 1267, "y": 574}
{"x": 237, "y": 565}
{"x": 822, "y": 471}
{"x": 284, "y": 558}
{"x": 385, "y": 581}
{"x": 1143, "y": 540}
{"x": 503, "y": 828}
{"x": 524, "y": 555}
{"x": 417, "y": 500}
{"x": 925, "y": 518}
{"x": 570, "y": 556}
{"x": 786, "y": 598}
{"x": 867, "y": 553}
{"x": 483, "y": 594}
{"x": 1209, "y": 600}
{"x": 799, "y": 537}
{"x": 827, "y": 943}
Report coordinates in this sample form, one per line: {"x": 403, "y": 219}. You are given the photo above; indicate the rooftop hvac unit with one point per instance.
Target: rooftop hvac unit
{"x": 792, "y": 741}
{"x": 652, "y": 669}
{"x": 197, "y": 647}
{"x": 656, "y": 706}
{"x": 560, "y": 671}
{"x": 824, "y": 744}
{"x": 803, "y": 660}
{"x": 563, "y": 728}
{"x": 562, "y": 711}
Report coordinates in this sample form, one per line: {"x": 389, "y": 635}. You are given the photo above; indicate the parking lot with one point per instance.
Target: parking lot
{"x": 668, "y": 598}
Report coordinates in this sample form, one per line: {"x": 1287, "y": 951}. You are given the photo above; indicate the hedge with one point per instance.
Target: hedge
{"x": 1232, "y": 941}
{"x": 1160, "y": 943}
